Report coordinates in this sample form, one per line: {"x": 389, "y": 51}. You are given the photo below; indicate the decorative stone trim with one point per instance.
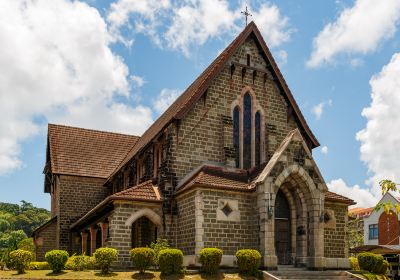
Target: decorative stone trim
{"x": 199, "y": 220}
{"x": 146, "y": 212}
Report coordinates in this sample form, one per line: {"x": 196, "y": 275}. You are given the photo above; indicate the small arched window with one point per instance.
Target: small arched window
{"x": 247, "y": 131}
{"x": 236, "y": 134}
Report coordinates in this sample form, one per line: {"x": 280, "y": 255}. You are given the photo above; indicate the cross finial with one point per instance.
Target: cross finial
{"x": 246, "y": 14}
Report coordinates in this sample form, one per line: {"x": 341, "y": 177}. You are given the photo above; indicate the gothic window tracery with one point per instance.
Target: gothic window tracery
{"x": 247, "y": 131}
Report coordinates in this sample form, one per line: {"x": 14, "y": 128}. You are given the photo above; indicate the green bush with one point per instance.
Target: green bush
{"x": 380, "y": 266}
{"x": 56, "y": 259}
{"x": 77, "y": 263}
{"x": 27, "y": 245}
{"x": 157, "y": 246}
{"x": 20, "y": 260}
{"x": 354, "y": 263}
{"x": 170, "y": 261}
{"x": 210, "y": 258}
{"x": 39, "y": 266}
{"x": 248, "y": 261}
{"x": 91, "y": 263}
{"x": 384, "y": 268}
{"x": 142, "y": 258}
{"x": 104, "y": 258}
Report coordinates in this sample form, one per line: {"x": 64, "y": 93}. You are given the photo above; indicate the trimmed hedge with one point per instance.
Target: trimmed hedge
{"x": 20, "y": 259}
{"x": 39, "y": 266}
{"x": 210, "y": 259}
{"x": 104, "y": 258}
{"x": 142, "y": 258}
{"x": 170, "y": 261}
{"x": 373, "y": 263}
{"x": 80, "y": 263}
{"x": 384, "y": 266}
{"x": 57, "y": 259}
{"x": 248, "y": 261}
{"x": 354, "y": 263}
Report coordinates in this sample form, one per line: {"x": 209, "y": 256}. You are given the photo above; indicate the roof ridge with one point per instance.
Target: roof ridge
{"x": 91, "y": 129}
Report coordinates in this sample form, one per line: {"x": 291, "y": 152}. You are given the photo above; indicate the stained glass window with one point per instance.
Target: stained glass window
{"x": 247, "y": 131}
{"x": 257, "y": 142}
{"x": 236, "y": 134}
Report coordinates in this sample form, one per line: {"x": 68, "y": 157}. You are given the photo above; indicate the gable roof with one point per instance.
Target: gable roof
{"x": 145, "y": 191}
{"x": 331, "y": 196}
{"x": 188, "y": 98}
{"x": 86, "y": 152}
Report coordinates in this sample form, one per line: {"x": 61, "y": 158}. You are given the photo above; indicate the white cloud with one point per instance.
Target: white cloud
{"x": 273, "y": 26}
{"x": 318, "y": 109}
{"x": 324, "y": 150}
{"x": 362, "y": 196}
{"x": 282, "y": 57}
{"x": 182, "y": 25}
{"x": 165, "y": 99}
{"x": 138, "y": 81}
{"x": 357, "y": 30}
{"x": 380, "y": 139}
{"x": 57, "y": 66}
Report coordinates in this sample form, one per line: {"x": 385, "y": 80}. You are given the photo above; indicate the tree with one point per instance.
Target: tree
{"x": 388, "y": 186}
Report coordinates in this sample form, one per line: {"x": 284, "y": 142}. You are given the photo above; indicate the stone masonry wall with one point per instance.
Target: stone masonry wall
{"x": 186, "y": 223}
{"x": 121, "y": 234}
{"x": 230, "y": 235}
{"x": 77, "y": 195}
{"x": 335, "y": 232}
{"x": 46, "y": 241}
{"x": 201, "y": 133}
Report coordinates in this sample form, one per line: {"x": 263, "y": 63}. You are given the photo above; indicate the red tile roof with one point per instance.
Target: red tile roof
{"x": 86, "y": 152}
{"x": 331, "y": 196}
{"x": 189, "y": 97}
{"x": 145, "y": 191}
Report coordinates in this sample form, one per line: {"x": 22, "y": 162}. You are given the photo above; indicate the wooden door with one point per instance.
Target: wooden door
{"x": 282, "y": 241}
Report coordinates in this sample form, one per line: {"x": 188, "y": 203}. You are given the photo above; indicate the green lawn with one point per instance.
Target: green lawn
{"x": 69, "y": 275}
{"x": 371, "y": 276}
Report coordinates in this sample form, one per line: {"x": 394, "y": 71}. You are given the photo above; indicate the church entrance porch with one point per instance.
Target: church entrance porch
{"x": 144, "y": 232}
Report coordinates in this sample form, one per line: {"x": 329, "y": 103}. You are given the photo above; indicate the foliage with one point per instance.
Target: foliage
{"x": 77, "y": 262}
{"x": 372, "y": 262}
{"x": 248, "y": 261}
{"x": 170, "y": 261}
{"x": 354, "y": 263}
{"x": 355, "y": 232}
{"x": 157, "y": 246}
{"x": 20, "y": 259}
{"x": 210, "y": 258}
{"x": 57, "y": 259}
{"x": 27, "y": 244}
{"x": 386, "y": 186}
{"x": 105, "y": 257}
{"x": 39, "y": 266}
{"x": 142, "y": 258}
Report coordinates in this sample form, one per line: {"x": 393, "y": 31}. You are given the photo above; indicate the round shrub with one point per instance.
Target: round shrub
{"x": 210, "y": 258}
{"x": 354, "y": 263}
{"x": 142, "y": 258}
{"x": 104, "y": 258}
{"x": 20, "y": 259}
{"x": 39, "y": 266}
{"x": 382, "y": 269}
{"x": 170, "y": 261}
{"x": 77, "y": 263}
{"x": 56, "y": 259}
{"x": 368, "y": 261}
{"x": 248, "y": 261}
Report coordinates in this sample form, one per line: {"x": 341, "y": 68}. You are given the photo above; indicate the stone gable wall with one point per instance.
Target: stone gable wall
{"x": 47, "y": 241}
{"x": 335, "y": 235}
{"x": 185, "y": 239}
{"x": 230, "y": 235}
{"x": 201, "y": 134}
{"x": 77, "y": 195}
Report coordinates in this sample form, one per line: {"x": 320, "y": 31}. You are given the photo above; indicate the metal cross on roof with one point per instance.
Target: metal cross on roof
{"x": 246, "y": 14}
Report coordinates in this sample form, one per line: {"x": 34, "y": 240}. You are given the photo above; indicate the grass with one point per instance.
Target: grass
{"x": 91, "y": 274}
{"x": 371, "y": 276}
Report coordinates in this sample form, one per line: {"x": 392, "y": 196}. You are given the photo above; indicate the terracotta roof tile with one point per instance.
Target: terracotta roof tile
{"x": 219, "y": 178}
{"x": 86, "y": 152}
{"x": 337, "y": 197}
{"x": 145, "y": 191}
{"x": 189, "y": 97}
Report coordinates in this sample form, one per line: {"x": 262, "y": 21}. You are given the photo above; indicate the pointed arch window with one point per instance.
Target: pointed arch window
{"x": 257, "y": 140}
{"x": 247, "y": 132}
{"x": 236, "y": 134}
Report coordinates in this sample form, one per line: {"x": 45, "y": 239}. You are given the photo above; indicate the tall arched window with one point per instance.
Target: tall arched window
{"x": 236, "y": 134}
{"x": 247, "y": 131}
{"x": 257, "y": 140}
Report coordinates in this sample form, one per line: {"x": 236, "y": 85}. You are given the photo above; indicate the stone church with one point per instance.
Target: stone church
{"x": 229, "y": 164}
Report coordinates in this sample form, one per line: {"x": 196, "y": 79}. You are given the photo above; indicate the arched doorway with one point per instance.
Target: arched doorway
{"x": 98, "y": 238}
{"x": 283, "y": 244}
{"x": 144, "y": 231}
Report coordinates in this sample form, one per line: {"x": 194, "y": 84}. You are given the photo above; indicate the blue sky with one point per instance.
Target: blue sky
{"x": 115, "y": 65}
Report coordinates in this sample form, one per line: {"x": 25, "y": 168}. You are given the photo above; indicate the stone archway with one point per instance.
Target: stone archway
{"x": 146, "y": 212}
{"x": 306, "y": 205}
